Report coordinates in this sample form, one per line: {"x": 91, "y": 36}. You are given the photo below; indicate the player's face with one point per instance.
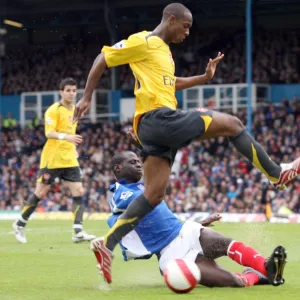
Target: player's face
{"x": 180, "y": 29}
{"x": 131, "y": 168}
{"x": 69, "y": 93}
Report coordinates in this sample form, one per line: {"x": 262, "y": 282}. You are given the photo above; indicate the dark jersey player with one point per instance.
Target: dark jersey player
{"x": 160, "y": 233}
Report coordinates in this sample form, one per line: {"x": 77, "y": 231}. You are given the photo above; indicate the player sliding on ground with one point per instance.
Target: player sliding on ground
{"x": 58, "y": 159}
{"x": 161, "y": 233}
{"x": 160, "y": 127}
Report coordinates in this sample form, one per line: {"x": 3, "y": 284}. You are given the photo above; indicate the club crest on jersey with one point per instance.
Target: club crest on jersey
{"x": 49, "y": 121}
{"x": 46, "y": 176}
{"x": 119, "y": 45}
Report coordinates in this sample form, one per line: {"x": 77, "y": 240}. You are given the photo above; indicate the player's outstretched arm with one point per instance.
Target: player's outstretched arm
{"x": 95, "y": 74}
{"x": 72, "y": 138}
{"x": 187, "y": 82}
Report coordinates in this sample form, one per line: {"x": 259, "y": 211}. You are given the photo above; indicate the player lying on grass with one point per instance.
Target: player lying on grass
{"x": 162, "y": 234}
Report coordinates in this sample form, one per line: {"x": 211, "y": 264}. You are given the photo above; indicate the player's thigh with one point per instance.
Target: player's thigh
{"x": 222, "y": 124}
{"x": 45, "y": 178}
{"x": 212, "y": 275}
{"x": 73, "y": 180}
{"x": 213, "y": 243}
{"x": 156, "y": 177}
{"x": 186, "y": 245}
{"x": 76, "y": 188}
{"x": 41, "y": 189}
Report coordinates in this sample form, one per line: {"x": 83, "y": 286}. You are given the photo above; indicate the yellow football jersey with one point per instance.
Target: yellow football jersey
{"x": 151, "y": 62}
{"x": 59, "y": 153}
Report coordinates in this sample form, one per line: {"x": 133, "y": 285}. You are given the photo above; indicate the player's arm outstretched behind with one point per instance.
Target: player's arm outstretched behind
{"x": 51, "y": 129}
{"x": 187, "y": 82}
{"x": 211, "y": 219}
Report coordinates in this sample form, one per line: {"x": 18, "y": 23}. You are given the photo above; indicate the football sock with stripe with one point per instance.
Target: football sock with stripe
{"x": 135, "y": 211}
{"x": 247, "y": 256}
{"x": 29, "y": 207}
{"x": 247, "y": 146}
{"x": 78, "y": 210}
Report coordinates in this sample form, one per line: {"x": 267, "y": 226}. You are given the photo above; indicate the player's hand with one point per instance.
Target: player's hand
{"x": 82, "y": 106}
{"x": 133, "y": 140}
{"x": 212, "y": 65}
{"x": 211, "y": 219}
{"x": 74, "y": 139}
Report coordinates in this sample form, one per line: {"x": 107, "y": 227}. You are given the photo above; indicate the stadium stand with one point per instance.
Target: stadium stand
{"x": 39, "y": 68}
{"x": 207, "y": 176}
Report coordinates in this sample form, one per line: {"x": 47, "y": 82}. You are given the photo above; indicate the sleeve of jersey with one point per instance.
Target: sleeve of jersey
{"x": 127, "y": 51}
{"x": 50, "y": 120}
{"x": 121, "y": 198}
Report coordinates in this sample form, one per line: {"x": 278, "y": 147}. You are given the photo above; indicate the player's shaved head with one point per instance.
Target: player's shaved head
{"x": 118, "y": 159}
{"x": 175, "y": 9}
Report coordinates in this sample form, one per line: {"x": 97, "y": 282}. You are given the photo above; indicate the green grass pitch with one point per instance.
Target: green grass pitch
{"x": 51, "y": 267}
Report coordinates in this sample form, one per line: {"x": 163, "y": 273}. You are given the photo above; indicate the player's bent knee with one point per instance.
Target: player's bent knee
{"x": 40, "y": 193}
{"x": 155, "y": 196}
{"x": 236, "y": 124}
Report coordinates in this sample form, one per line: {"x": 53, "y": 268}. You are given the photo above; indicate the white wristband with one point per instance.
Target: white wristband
{"x": 61, "y": 136}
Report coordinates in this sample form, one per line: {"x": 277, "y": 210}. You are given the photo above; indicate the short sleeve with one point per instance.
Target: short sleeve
{"x": 51, "y": 116}
{"x": 126, "y": 51}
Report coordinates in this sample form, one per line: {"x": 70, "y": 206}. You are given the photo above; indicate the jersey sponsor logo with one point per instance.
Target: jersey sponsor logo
{"x": 119, "y": 45}
{"x": 169, "y": 81}
{"x": 126, "y": 195}
{"x": 49, "y": 121}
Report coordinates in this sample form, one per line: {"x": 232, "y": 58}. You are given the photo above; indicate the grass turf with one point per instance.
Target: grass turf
{"x": 51, "y": 267}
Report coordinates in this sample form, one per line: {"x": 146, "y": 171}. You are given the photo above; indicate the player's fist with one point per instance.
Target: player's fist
{"x": 74, "y": 139}
{"x": 82, "y": 106}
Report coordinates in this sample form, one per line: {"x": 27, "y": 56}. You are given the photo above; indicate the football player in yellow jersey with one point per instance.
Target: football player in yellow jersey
{"x": 58, "y": 160}
{"x": 160, "y": 127}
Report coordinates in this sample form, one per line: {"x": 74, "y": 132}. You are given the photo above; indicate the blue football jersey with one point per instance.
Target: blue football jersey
{"x": 155, "y": 231}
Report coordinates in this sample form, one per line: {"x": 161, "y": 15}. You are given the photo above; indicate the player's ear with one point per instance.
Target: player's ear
{"x": 117, "y": 169}
{"x": 172, "y": 20}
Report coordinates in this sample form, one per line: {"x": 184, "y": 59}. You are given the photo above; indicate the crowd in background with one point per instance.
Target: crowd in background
{"x": 208, "y": 176}
{"x": 275, "y": 60}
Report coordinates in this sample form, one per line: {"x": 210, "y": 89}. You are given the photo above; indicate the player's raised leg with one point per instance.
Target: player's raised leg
{"x": 230, "y": 126}
{"x": 77, "y": 191}
{"x": 156, "y": 176}
{"x": 29, "y": 207}
{"x": 215, "y": 245}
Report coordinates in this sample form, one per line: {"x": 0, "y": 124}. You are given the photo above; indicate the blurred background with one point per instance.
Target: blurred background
{"x": 42, "y": 42}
